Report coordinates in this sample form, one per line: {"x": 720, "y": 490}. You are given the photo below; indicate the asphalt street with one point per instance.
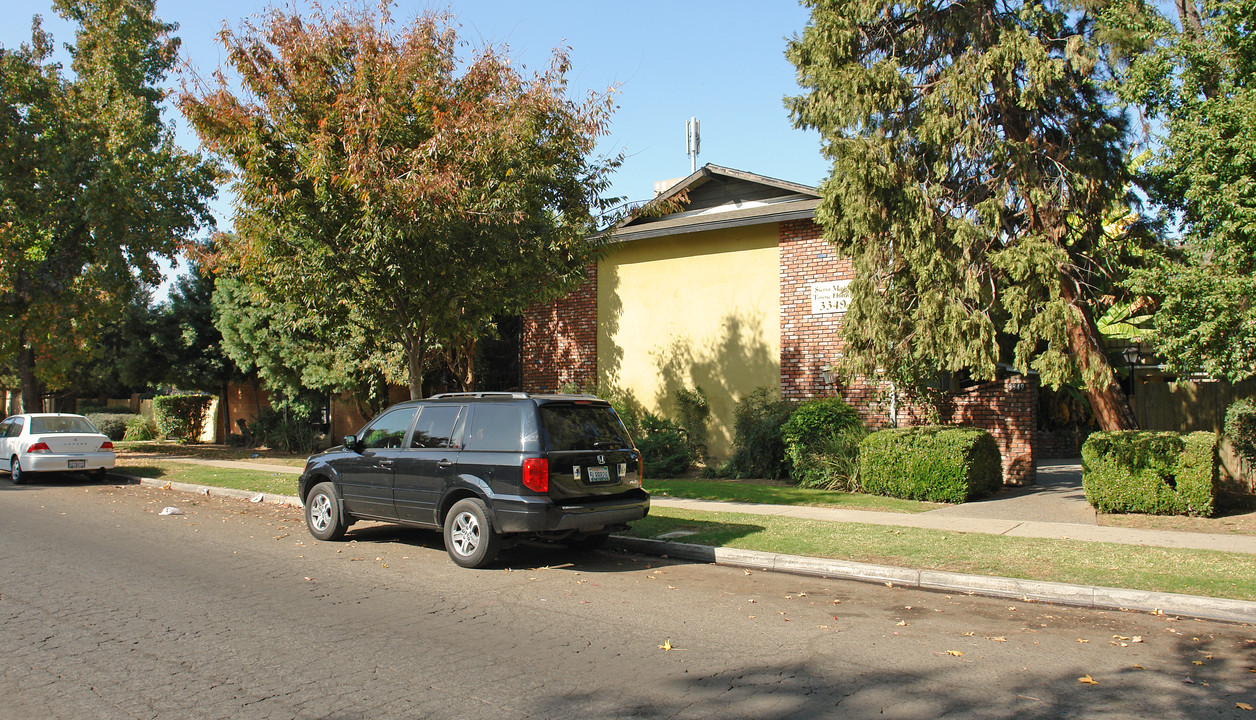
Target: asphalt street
{"x": 109, "y": 609}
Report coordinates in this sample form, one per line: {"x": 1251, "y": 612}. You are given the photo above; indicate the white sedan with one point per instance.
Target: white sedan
{"x": 48, "y": 442}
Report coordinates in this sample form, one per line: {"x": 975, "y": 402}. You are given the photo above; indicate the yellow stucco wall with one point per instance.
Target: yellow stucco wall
{"x": 695, "y": 310}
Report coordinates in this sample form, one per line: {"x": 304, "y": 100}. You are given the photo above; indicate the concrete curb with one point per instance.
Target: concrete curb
{"x": 1090, "y": 596}
{"x": 1238, "y": 611}
{"x": 214, "y": 491}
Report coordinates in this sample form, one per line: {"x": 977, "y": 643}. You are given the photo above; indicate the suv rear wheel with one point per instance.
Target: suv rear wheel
{"x": 469, "y": 537}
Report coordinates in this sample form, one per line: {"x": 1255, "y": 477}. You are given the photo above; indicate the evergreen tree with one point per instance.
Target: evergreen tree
{"x": 974, "y": 158}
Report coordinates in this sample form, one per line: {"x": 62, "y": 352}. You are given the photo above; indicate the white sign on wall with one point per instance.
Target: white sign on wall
{"x": 830, "y": 297}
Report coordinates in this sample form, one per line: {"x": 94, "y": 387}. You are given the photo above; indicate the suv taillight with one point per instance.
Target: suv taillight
{"x": 536, "y": 474}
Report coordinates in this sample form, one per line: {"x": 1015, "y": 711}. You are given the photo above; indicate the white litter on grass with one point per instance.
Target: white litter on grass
{"x": 258, "y": 497}
{"x": 170, "y": 511}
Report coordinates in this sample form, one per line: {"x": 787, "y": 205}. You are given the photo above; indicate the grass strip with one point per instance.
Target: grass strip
{"x": 207, "y": 452}
{"x": 751, "y": 492}
{"x": 1192, "y": 572}
{"x": 253, "y": 480}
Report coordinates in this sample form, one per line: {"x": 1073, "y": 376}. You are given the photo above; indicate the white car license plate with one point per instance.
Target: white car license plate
{"x": 599, "y": 473}
{"x": 77, "y": 464}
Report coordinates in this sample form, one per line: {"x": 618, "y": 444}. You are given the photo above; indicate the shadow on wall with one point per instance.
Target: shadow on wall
{"x": 726, "y": 369}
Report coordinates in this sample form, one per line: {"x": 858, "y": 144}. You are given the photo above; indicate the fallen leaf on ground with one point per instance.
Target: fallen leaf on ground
{"x": 666, "y": 646}
{"x": 1087, "y": 680}
{"x": 997, "y": 639}
{"x": 1243, "y": 706}
{"x": 956, "y": 653}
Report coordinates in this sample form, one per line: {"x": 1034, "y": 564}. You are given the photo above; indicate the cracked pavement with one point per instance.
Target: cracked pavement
{"x": 231, "y": 610}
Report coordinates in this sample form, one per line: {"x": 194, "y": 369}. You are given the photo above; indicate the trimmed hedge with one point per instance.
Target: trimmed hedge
{"x": 1158, "y": 473}
{"x": 181, "y": 417}
{"x": 932, "y": 462}
{"x": 112, "y": 425}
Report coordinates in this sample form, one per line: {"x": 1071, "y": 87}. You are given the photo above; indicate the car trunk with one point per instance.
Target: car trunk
{"x": 70, "y": 443}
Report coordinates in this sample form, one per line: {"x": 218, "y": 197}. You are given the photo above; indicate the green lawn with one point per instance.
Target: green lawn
{"x": 1193, "y": 572}
{"x": 774, "y": 494}
{"x": 254, "y": 480}
{"x": 156, "y": 448}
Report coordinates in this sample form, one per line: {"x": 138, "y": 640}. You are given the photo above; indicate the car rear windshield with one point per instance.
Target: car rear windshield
{"x": 49, "y": 425}
{"x": 583, "y": 427}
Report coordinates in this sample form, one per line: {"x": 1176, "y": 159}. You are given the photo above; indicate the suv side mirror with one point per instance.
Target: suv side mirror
{"x": 351, "y": 443}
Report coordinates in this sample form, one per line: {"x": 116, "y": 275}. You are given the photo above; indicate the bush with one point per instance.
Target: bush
{"x": 284, "y": 431}
{"x": 811, "y": 431}
{"x": 113, "y": 425}
{"x": 935, "y": 463}
{"x": 695, "y": 413}
{"x": 140, "y": 428}
{"x": 835, "y": 463}
{"x": 181, "y": 417}
{"x": 1158, "y": 473}
{"x": 758, "y": 450}
{"x": 1240, "y": 427}
{"x": 664, "y": 447}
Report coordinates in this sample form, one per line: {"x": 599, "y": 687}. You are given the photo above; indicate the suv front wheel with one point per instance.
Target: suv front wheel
{"x": 322, "y": 513}
{"x": 469, "y": 537}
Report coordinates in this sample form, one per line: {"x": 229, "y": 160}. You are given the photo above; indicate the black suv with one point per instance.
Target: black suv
{"x": 483, "y": 467}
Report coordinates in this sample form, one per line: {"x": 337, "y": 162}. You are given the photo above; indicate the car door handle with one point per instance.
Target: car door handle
{"x": 444, "y": 464}
{"x": 385, "y": 463}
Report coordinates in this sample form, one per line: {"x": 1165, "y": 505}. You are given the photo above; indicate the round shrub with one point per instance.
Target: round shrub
{"x": 112, "y": 425}
{"x": 812, "y": 433}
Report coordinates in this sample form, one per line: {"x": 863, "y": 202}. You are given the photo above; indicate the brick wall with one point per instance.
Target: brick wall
{"x": 808, "y": 342}
{"x": 559, "y": 340}
{"x": 1006, "y": 408}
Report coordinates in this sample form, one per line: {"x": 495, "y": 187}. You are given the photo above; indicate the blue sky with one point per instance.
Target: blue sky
{"x": 720, "y": 61}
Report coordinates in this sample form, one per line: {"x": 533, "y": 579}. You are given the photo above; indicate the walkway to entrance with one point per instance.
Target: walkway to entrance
{"x": 1058, "y": 498}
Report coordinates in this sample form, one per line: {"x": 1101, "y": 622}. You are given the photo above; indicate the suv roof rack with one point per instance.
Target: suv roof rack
{"x": 504, "y": 394}
{"x": 516, "y": 395}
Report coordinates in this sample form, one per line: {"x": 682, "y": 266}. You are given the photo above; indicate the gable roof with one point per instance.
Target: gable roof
{"x": 719, "y": 197}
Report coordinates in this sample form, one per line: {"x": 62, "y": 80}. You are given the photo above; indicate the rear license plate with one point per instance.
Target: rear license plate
{"x": 77, "y": 464}
{"x": 599, "y": 473}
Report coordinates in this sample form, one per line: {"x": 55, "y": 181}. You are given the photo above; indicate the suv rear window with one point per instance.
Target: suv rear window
{"x": 583, "y": 427}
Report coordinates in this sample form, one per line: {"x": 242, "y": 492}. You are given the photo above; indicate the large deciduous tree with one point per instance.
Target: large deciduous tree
{"x": 384, "y": 182}
{"x": 92, "y": 186}
{"x": 974, "y": 159}
{"x": 1199, "y": 82}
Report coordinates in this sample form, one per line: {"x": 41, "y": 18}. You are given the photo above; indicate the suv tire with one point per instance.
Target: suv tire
{"x": 469, "y": 537}
{"x": 322, "y": 513}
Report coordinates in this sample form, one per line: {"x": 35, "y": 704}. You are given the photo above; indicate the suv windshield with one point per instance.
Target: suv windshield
{"x": 583, "y": 427}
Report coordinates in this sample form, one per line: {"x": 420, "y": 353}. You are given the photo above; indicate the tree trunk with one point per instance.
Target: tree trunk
{"x": 1109, "y": 404}
{"x": 414, "y": 365}
{"x": 32, "y": 393}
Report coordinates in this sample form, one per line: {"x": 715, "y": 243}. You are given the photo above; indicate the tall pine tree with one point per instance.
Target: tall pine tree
{"x": 974, "y": 157}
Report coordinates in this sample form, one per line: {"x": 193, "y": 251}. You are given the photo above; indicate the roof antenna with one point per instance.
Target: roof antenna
{"x": 693, "y": 143}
